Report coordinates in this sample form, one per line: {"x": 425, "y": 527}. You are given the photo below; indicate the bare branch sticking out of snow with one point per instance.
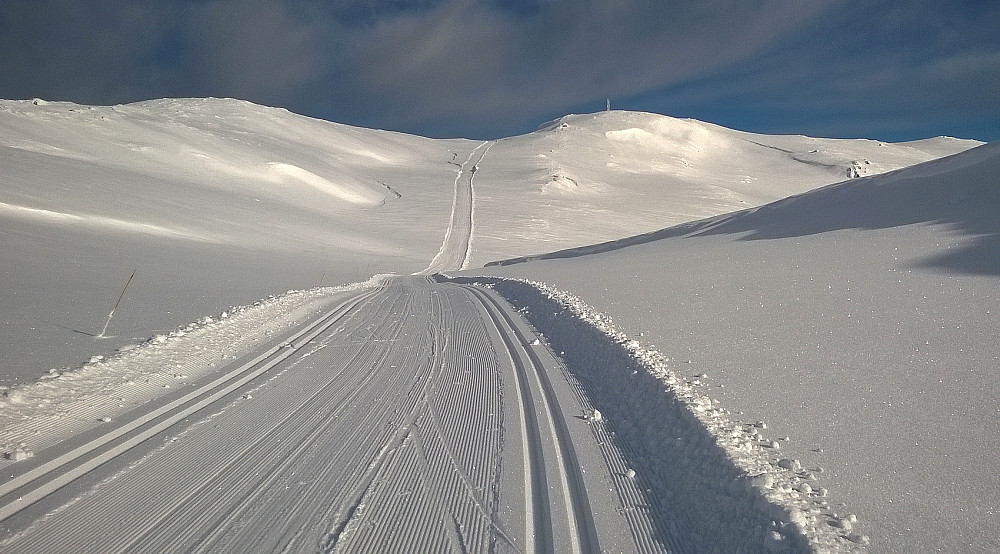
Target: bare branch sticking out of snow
{"x": 713, "y": 482}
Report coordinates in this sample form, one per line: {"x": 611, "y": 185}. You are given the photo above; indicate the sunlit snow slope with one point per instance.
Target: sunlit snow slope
{"x": 220, "y": 202}
{"x": 858, "y": 320}
{"x": 586, "y": 178}
{"x": 214, "y": 202}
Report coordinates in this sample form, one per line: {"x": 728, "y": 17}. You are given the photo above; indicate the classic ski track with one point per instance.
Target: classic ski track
{"x": 33, "y": 485}
{"x": 387, "y": 427}
{"x": 536, "y": 503}
{"x": 427, "y": 403}
{"x": 455, "y": 250}
{"x": 580, "y": 520}
{"x": 467, "y": 257}
{"x": 308, "y": 411}
{"x": 444, "y": 480}
{"x": 157, "y": 487}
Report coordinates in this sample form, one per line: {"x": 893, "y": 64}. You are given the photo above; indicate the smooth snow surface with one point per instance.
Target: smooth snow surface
{"x": 858, "y": 320}
{"x": 589, "y": 178}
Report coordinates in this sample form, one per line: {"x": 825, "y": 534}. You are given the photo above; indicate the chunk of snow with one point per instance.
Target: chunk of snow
{"x": 858, "y": 538}
{"x": 786, "y": 463}
{"x": 19, "y": 454}
{"x": 762, "y": 481}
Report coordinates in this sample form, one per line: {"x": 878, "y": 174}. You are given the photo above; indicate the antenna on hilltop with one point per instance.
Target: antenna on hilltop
{"x": 609, "y": 104}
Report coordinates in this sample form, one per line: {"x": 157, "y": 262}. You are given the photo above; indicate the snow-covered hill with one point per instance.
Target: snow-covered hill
{"x": 858, "y": 320}
{"x": 218, "y": 202}
{"x": 221, "y": 172}
{"x": 214, "y": 202}
{"x": 586, "y": 178}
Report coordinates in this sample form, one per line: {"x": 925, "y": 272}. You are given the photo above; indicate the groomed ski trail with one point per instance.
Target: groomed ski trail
{"x": 456, "y": 249}
{"x": 416, "y": 416}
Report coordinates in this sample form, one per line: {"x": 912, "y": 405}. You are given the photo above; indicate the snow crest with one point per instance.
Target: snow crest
{"x": 292, "y": 174}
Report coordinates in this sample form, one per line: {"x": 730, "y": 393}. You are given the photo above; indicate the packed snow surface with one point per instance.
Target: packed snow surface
{"x": 802, "y": 404}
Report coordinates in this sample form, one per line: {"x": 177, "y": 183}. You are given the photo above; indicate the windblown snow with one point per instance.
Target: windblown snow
{"x": 821, "y": 346}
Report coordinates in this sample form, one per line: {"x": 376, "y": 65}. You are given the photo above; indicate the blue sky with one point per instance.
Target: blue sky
{"x": 886, "y": 70}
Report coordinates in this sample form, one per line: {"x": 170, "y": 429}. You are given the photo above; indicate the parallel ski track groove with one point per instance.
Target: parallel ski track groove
{"x": 537, "y": 514}
{"x": 585, "y": 530}
{"x": 467, "y": 256}
{"x": 316, "y": 422}
{"x": 53, "y": 474}
{"x": 382, "y": 430}
{"x": 455, "y": 250}
{"x": 158, "y": 489}
{"x": 229, "y": 479}
{"x": 173, "y": 486}
{"x": 448, "y": 464}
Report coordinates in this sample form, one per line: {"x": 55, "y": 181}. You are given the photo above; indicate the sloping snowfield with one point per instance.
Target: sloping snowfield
{"x": 772, "y": 372}
{"x": 214, "y": 203}
{"x": 858, "y": 320}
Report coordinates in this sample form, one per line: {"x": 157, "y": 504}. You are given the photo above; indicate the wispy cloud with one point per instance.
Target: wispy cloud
{"x": 895, "y": 71}
{"x": 479, "y": 62}
{"x": 492, "y": 66}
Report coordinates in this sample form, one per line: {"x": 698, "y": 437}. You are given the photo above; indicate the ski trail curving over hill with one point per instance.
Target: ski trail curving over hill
{"x": 457, "y": 245}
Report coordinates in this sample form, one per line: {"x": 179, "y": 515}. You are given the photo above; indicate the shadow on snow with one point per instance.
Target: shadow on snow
{"x": 698, "y": 499}
{"x": 961, "y": 191}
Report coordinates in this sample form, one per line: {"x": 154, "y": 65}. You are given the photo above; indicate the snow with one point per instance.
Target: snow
{"x": 213, "y": 202}
{"x": 590, "y": 178}
{"x": 708, "y": 476}
{"x": 858, "y": 320}
{"x": 837, "y": 343}
{"x": 219, "y": 202}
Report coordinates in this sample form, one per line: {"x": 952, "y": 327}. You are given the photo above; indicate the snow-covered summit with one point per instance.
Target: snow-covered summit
{"x": 619, "y": 171}
{"x": 687, "y": 142}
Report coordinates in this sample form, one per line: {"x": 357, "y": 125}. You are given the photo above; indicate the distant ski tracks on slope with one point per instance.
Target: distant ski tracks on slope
{"x": 418, "y": 416}
{"x": 456, "y": 249}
